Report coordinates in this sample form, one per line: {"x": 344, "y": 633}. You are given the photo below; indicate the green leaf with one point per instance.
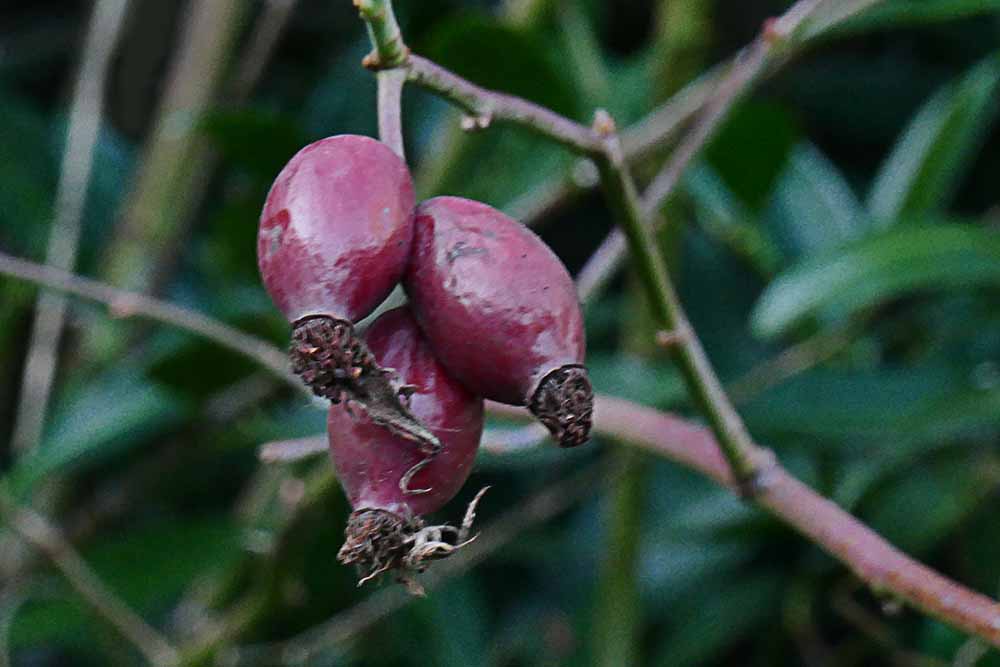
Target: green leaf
{"x": 751, "y": 149}
{"x": 929, "y": 159}
{"x": 813, "y": 208}
{"x": 713, "y": 620}
{"x": 898, "y": 13}
{"x": 148, "y": 567}
{"x": 918, "y": 510}
{"x": 648, "y": 382}
{"x": 892, "y": 408}
{"x": 838, "y": 284}
{"x": 100, "y": 419}
{"x": 725, "y": 218}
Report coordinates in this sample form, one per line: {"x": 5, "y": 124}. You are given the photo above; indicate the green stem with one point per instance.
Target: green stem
{"x": 704, "y": 385}
{"x": 616, "y": 619}
{"x": 387, "y": 40}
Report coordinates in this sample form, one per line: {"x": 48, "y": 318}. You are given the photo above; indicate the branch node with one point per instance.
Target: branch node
{"x": 667, "y": 339}
{"x": 772, "y": 32}
{"x": 760, "y": 477}
{"x": 603, "y": 124}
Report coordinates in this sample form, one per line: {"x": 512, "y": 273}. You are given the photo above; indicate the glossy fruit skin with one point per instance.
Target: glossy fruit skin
{"x": 496, "y": 304}
{"x": 336, "y": 229}
{"x": 370, "y": 460}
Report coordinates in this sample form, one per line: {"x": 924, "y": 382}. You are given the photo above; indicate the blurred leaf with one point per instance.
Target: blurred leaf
{"x": 647, "y": 382}
{"x": 920, "y": 507}
{"x": 175, "y": 552}
{"x": 840, "y": 283}
{"x": 237, "y": 133}
{"x": 96, "y": 421}
{"x": 482, "y": 169}
{"x": 897, "y": 13}
{"x": 934, "y": 152}
{"x": 455, "y": 639}
{"x": 344, "y": 100}
{"x": 718, "y": 618}
{"x": 725, "y": 218}
{"x": 750, "y": 150}
{"x": 813, "y": 208}
{"x": 897, "y": 412}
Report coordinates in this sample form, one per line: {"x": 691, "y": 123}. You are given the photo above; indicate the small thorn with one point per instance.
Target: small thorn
{"x": 472, "y": 123}
{"x": 603, "y": 124}
{"x": 771, "y": 31}
{"x": 371, "y": 61}
{"x": 666, "y": 338}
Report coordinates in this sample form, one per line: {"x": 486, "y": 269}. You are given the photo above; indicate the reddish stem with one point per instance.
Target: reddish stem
{"x": 880, "y": 565}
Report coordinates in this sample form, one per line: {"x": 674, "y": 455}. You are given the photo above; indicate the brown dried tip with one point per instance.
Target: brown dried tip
{"x": 329, "y": 356}
{"x": 377, "y": 541}
{"x": 336, "y": 364}
{"x": 564, "y": 402}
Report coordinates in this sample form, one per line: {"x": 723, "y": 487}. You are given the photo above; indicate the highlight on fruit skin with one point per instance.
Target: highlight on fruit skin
{"x": 334, "y": 239}
{"x": 386, "y": 530}
{"x": 501, "y": 312}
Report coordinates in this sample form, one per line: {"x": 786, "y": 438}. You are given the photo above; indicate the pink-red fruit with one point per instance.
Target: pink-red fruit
{"x": 336, "y": 228}
{"x": 371, "y": 461}
{"x": 501, "y": 312}
{"x": 333, "y": 241}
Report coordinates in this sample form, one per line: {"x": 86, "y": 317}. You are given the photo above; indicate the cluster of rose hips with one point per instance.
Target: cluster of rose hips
{"x": 492, "y": 313}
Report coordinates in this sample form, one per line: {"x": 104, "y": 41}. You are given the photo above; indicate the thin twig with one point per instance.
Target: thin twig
{"x": 486, "y": 106}
{"x": 64, "y": 238}
{"x": 390, "y": 117}
{"x": 553, "y": 500}
{"x": 41, "y": 534}
{"x": 703, "y": 384}
{"x": 773, "y": 46}
{"x": 123, "y": 303}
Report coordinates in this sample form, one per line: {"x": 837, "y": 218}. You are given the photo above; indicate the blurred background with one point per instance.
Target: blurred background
{"x": 836, "y": 248}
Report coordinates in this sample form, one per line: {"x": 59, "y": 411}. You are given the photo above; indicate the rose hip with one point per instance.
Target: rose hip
{"x": 375, "y": 466}
{"x": 501, "y": 312}
{"x": 333, "y": 241}
{"x": 336, "y": 228}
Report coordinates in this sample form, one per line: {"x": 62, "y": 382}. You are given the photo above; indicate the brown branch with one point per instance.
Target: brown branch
{"x": 37, "y": 531}
{"x": 872, "y": 559}
{"x": 486, "y": 106}
{"x": 123, "y": 303}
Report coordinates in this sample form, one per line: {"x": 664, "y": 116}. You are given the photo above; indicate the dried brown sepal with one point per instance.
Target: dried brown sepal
{"x": 378, "y": 541}
{"x": 337, "y": 365}
{"x": 564, "y": 403}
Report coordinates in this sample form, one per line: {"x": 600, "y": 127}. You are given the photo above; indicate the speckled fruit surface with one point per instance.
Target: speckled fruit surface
{"x": 496, "y": 304}
{"x": 336, "y": 229}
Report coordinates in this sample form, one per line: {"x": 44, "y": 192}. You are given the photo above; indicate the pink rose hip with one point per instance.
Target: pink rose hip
{"x": 375, "y": 466}
{"x": 333, "y": 241}
{"x": 501, "y": 312}
{"x": 336, "y": 228}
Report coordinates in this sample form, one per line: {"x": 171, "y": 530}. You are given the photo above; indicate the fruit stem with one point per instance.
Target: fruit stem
{"x": 387, "y": 41}
{"x": 390, "y": 115}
